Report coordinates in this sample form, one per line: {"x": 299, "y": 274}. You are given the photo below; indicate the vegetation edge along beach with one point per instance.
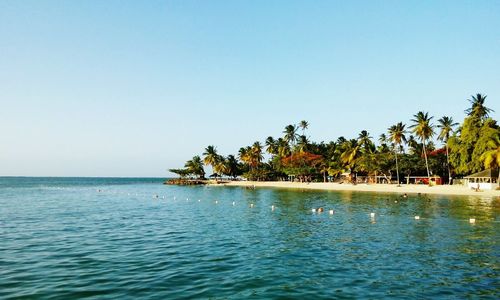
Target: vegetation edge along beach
{"x": 408, "y": 158}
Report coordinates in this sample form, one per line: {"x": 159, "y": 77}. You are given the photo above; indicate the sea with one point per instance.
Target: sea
{"x": 136, "y": 238}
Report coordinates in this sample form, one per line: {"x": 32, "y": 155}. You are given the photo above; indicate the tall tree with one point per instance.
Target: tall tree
{"x": 256, "y": 155}
{"x": 350, "y": 154}
{"x": 413, "y": 146}
{"x": 195, "y": 166}
{"x": 303, "y": 125}
{"x": 477, "y": 108}
{"x": 283, "y": 147}
{"x": 470, "y": 141}
{"x": 211, "y": 157}
{"x": 271, "y": 146}
{"x": 341, "y": 140}
{"x": 244, "y": 154}
{"x": 290, "y": 134}
{"x": 228, "y": 166}
{"x": 424, "y": 130}
{"x": 491, "y": 158}
{"x": 302, "y": 143}
{"x": 222, "y": 167}
{"x": 382, "y": 138}
{"x": 397, "y": 137}
{"x": 446, "y": 126}
{"x": 303, "y": 165}
{"x": 365, "y": 141}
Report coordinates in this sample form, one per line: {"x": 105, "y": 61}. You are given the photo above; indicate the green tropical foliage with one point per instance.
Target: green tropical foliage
{"x": 470, "y": 148}
{"x": 397, "y": 137}
{"x": 424, "y": 130}
{"x": 290, "y": 134}
{"x": 304, "y": 125}
{"x": 195, "y": 167}
{"x": 211, "y": 157}
{"x": 477, "y": 109}
{"x": 446, "y": 126}
{"x": 472, "y": 139}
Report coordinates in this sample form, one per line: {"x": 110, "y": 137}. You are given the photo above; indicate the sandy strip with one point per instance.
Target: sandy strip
{"x": 380, "y": 188}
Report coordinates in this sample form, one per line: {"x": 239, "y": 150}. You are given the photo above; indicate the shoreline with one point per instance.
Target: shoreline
{"x": 377, "y": 188}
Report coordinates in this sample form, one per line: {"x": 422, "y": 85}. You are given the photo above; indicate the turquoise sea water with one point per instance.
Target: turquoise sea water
{"x": 102, "y": 238}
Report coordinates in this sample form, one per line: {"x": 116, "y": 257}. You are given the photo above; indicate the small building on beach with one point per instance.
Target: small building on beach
{"x": 484, "y": 180}
{"x": 434, "y": 180}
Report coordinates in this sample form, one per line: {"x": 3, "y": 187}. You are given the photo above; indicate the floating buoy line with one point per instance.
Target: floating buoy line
{"x": 318, "y": 210}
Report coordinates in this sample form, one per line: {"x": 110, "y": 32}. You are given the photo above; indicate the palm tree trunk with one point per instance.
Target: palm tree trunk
{"x": 324, "y": 177}
{"x": 397, "y": 167}
{"x": 426, "y": 163}
{"x": 448, "y": 164}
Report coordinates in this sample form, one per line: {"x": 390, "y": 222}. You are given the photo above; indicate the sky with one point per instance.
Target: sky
{"x": 133, "y": 88}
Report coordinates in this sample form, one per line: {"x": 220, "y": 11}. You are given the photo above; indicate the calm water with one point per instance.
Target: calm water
{"x": 65, "y": 239}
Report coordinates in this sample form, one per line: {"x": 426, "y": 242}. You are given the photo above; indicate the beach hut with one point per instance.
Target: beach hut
{"x": 435, "y": 180}
{"x": 484, "y": 180}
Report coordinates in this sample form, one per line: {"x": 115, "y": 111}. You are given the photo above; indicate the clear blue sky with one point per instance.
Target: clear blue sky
{"x": 117, "y": 88}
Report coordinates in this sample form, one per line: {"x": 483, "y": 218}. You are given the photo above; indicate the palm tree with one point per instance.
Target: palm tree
{"x": 397, "y": 137}
{"x": 244, "y": 154}
{"x": 341, "y": 140}
{"x": 302, "y": 143}
{"x": 424, "y": 130}
{"x": 491, "y": 158}
{"x": 350, "y": 154}
{"x": 256, "y": 155}
{"x": 383, "y": 148}
{"x": 303, "y": 125}
{"x": 283, "y": 147}
{"x": 364, "y": 140}
{"x": 181, "y": 172}
{"x": 446, "y": 125}
{"x": 324, "y": 167}
{"x": 271, "y": 146}
{"x": 233, "y": 166}
{"x": 211, "y": 157}
{"x": 478, "y": 109}
{"x": 382, "y": 138}
{"x": 195, "y": 166}
{"x": 413, "y": 145}
{"x": 222, "y": 167}
{"x": 290, "y": 134}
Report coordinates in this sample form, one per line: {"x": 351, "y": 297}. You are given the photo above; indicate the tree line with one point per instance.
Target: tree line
{"x": 422, "y": 147}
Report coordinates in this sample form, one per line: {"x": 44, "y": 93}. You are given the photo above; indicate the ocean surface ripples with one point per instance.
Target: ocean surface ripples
{"x": 127, "y": 238}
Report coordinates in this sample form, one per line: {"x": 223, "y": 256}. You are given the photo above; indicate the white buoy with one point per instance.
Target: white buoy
{"x": 395, "y": 201}
{"x": 272, "y": 207}
{"x": 216, "y": 201}
{"x": 251, "y": 205}
{"x": 163, "y": 197}
{"x": 313, "y": 210}
{"x": 187, "y": 199}
{"x": 372, "y": 215}
{"x": 472, "y": 221}
{"x": 417, "y": 217}
{"x": 234, "y": 203}
{"x": 331, "y": 212}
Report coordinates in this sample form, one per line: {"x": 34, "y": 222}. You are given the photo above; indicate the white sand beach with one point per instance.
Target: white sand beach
{"x": 379, "y": 188}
